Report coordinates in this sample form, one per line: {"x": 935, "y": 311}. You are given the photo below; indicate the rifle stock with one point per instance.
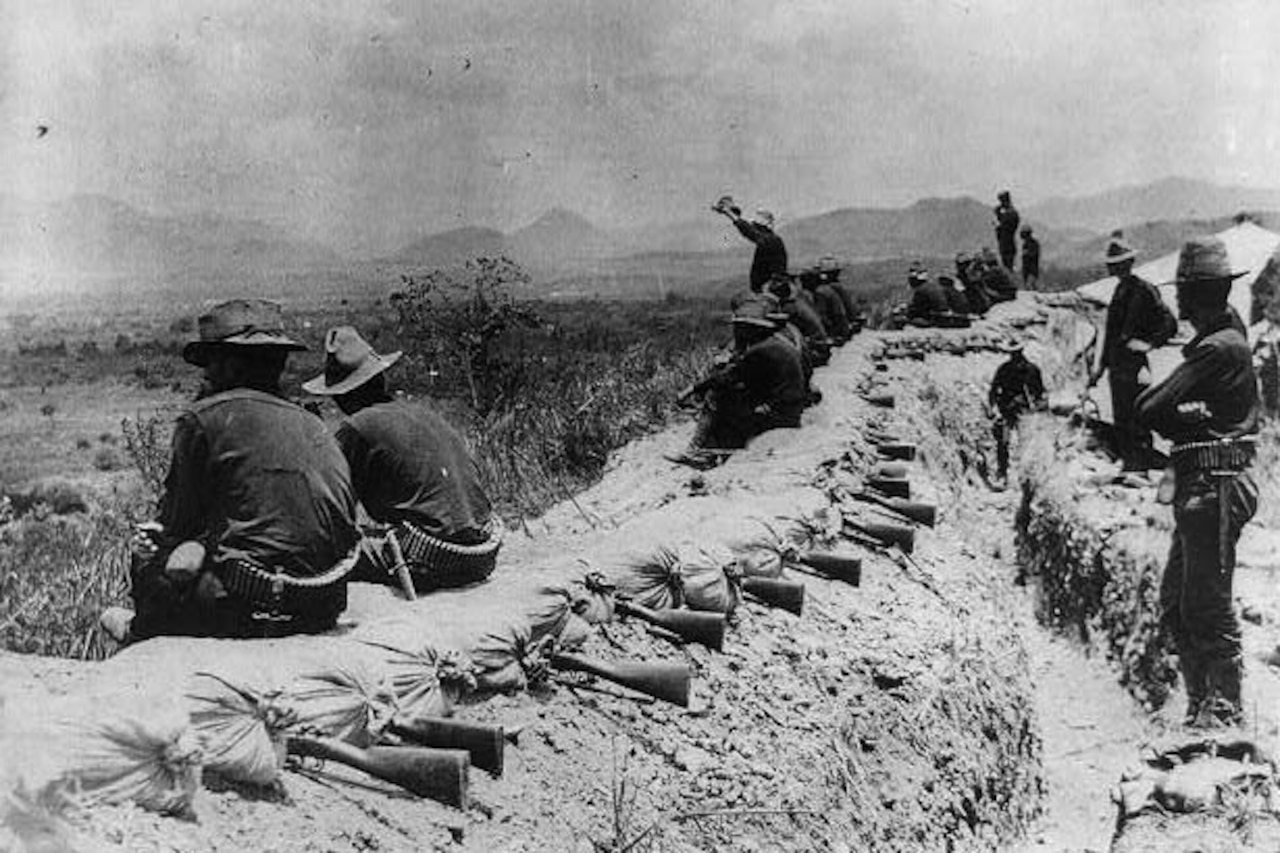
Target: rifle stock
{"x": 920, "y": 513}
{"x": 884, "y": 401}
{"x": 437, "y": 774}
{"x": 787, "y": 595}
{"x": 885, "y": 534}
{"x": 483, "y": 743}
{"x": 893, "y": 487}
{"x": 841, "y": 567}
{"x": 666, "y": 681}
{"x": 897, "y": 450}
{"x": 689, "y": 625}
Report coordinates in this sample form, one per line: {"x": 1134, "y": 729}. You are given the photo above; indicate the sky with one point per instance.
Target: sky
{"x": 365, "y": 124}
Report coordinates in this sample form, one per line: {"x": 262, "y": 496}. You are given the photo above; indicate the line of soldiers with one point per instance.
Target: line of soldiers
{"x": 257, "y": 533}
{"x": 784, "y": 326}
{"x": 954, "y": 299}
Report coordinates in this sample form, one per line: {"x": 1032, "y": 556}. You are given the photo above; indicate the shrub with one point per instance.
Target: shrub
{"x": 146, "y": 441}
{"x": 107, "y": 458}
{"x": 83, "y": 443}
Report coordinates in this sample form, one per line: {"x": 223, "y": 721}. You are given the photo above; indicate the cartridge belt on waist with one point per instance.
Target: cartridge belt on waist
{"x": 428, "y": 553}
{"x": 275, "y": 590}
{"x": 1228, "y": 455}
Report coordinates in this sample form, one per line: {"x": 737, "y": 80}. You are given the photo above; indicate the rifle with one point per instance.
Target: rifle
{"x": 787, "y": 595}
{"x": 720, "y": 374}
{"x": 666, "y": 681}
{"x": 890, "y": 470}
{"x": 896, "y": 450}
{"x": 437, "y": 774}
{"x": 881, "y": 536}
{"x": 688, "y": 625}
{"x": 894, "y": 487}
{"x": 484, "y": 744}
{"x": 833, "y": 566}
{"x": 920, "y": 513}
{"x": 884, "y": 401}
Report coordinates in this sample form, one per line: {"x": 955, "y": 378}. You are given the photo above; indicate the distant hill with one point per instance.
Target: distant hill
{"x": 1162, "y": 201}
{"x": 96, "y": 236}
{"x": 452, "y": 248}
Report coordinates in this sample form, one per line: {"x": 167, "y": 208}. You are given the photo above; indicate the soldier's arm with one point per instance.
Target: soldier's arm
{"x": 184, "y": 506}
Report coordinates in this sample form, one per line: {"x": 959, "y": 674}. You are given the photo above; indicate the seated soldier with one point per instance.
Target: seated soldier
{"x": 1016, "y": 389}
{"x": 796, "y": 303}
{"x": 829, "y": 273}
{"x": 957, "y": 298}
{"x": 829, "y": 304}
{"x": 995, "y": 280}
{"x": 761, "y": 388}
{"x": 969, "y": 276}
{"x": 928, "y": 303}
{"x": 411, "y": 472}
{"x": 257, "y": 530}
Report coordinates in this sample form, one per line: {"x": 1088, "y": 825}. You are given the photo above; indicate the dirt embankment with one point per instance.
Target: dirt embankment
{"x": 893, "y": 716}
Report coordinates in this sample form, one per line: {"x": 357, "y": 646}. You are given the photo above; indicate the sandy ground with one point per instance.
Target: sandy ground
{"x": 896, "y": 716}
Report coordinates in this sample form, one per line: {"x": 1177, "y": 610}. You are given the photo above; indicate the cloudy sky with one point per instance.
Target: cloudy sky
{"x": 362, "y": 123}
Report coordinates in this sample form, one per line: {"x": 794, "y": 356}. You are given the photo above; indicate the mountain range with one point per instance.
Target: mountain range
{"x": 91, "y": 237}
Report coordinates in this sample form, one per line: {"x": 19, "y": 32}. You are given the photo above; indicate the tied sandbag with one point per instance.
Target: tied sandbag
{"x": 712, "y": 581}
{"x": 553, "y": 617}
{"x": 346, "y": 700}
{"x": 591, "y": 598}
{"x": 655, "y": 582}
{"x": 243, "y": 729}
{"x": 508, "y": 658}
{"x": 428, "y": 682}
{"x": 150, "y": 756}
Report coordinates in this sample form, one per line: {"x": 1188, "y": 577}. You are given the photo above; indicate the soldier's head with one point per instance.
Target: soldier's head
{"x": 1203, "y": 280}
{"x": 763, "y": 217}
{"x": 242, "y": 344}
{"x": 1119, "y": 255}
{"x": 352, "y": 371}
{"x": 917, "y": 275}
{"x": 1025, "y": 232}
{"x": 752, "y": 322}
{"x": 1003, "y": 197}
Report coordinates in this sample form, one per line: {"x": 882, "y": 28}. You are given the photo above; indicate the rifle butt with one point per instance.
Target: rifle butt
{"x": 689, "y": 625}
{"x": 841, "y": 567}
{"x": 483, "y": 743}
{"x": 894, "y": 487}
{"x": 436, "y": 774}
{"x": 883, "y": 401}
{"x": 897, "y": 450}
{"x": 786, "y": 595}
{"x": 887, "y": 534}
{"x": 666, "y": 681}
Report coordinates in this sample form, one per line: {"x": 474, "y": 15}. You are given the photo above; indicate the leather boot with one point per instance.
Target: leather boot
{"x": 1194, "y": 681}
{"x": 1221, "y": 706}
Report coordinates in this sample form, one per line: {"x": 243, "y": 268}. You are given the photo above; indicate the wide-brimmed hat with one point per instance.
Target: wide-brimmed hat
{"x": 1118, "y": 251}
{"x": 1202, "y": 260}
{"x": 242, "y": 323}
{"x": 349, "y": 362}
{"x": 756, "y": 312}
{"x": 1009, "y": 346}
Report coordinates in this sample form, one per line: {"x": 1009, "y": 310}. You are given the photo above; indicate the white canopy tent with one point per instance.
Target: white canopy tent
{"x": 1249, "y": 246}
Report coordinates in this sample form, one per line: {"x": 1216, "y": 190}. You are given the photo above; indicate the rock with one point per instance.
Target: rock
{"x": 691, "y": 759}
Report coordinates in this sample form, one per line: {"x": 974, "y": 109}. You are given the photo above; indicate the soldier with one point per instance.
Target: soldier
{"x": 256, "y": 532}
{"x": 969, "y": 276}
{"x": 1016, "y": 388}
{"x": 797, "y": 305}
{"x": 957, "y": 298}
{"x": 1137, "y": 322}
{"x": 829, "y": 272}
{"x": 411, "y": 471}
{"x": 829, "y": 304}
{"x": 995, "y": 280}
{"x": 1006, "y": 224}
{"x": 770, "y": 257}
{"x": 761, "y": 388}
{"x": 928, "y": 302}
{"x": 1208, "y": 408}
{"x": 1030, "y": 259}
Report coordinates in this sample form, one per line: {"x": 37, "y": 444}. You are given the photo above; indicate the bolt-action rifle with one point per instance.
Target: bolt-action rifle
{"x": 437, "y": 774}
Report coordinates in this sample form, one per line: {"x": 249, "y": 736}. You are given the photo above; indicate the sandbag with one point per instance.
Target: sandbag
{"x": 428, "y": 682}
{"x": 591, "y": 597}
{"x": 507, "y": 658}
{"x": 654, "y": 582}
{"x": 347, "y": 700}
{"x": 553, "y": 616}
{"x": 149, "y": 755}
{"x": 243, "y": 728}
{"x": 712, "y": 580}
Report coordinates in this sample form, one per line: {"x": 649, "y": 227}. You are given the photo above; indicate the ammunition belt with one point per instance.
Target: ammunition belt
{"x": 433, "y": 558}
{"x": 1225, "y": 455}
{"x": 276, "y": 592}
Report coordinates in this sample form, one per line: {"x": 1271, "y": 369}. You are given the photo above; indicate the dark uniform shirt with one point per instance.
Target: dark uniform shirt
{"x": 1030, "y": 256}
{"x": 831, "y": 309}
{"x": 411, "y": 466}
{"x": 1017, "y": 387}
{"x": 957, "y": 299}
{"x": 1217, "y": 370}
{"x": 1135, "y": 313}
{"x": 771, "y": 254}
{"x": 264, "y": 479}
{"x": 1007, "y": 220}
{"x": 771, "y": 373}
{"x": 998, "y": 284}
{"x": 927, "y": 302}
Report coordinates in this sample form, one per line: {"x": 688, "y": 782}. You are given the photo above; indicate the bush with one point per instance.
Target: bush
{"x": 146, "y": 441}
{"x": 107, "y": 458}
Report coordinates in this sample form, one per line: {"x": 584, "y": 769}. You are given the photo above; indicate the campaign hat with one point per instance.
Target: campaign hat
{"x": 349, "y": 362}
{"x": 246, "y": 324}
{"x": 1203, "y": 260}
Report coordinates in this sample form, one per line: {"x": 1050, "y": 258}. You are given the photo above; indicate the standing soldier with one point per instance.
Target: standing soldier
{"x": 1017, "y": 388}
{"x": 770, "y": 257}
{"x": 1006, "y": 222}
{"x": 257, "y": 532}
{"x": 411, "y": 471}
{"x": 1030, "y": 259}
{"x": 1208, "y": 408}
{"x": 1137, "y": 322}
